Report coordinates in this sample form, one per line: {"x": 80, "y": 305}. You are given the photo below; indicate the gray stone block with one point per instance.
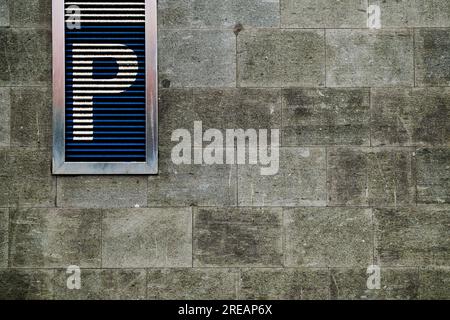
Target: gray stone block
{"x": 197, "y": 58}
{"x": 192, "y": 284}
{"x": 5, "y": 117}
{"x": 102, "y": 191}
{"x": 326, "y": 237}
{"x": 301, "y": 180}
{"x": 435, "y": 283}
{"x": 285, "y": 284}
{"x": 366, "y": 58}
{"x": 102, "y": 284}
{"x": 323, "y": 14}
{"x": 55, "y": 238}
{"x": 432, "y": 57}
{"x": 31, "y": 117}
{"x": 396, "y": 284}
{"x": 410, "y": 117}
{"x": 281, "y": 58}
{"x": 31, "y": 13}
{"x": 237, "y": 237}
{"x": 26, "y": 59}
{"x": 4, "y": 14}
{"x": 325, "y": 117}
{"x": 371, "y": 176}
{"x": 218, "y": 13}
{"x": 433, "y": 175}
{"x": 4, "y": 228}
{"x": 412, "y": 236}
{"x": 142, "y": 238}
{"x": 26, "y": 284}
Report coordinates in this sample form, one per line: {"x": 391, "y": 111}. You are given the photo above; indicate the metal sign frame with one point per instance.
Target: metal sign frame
{"x": 60, "y": 165}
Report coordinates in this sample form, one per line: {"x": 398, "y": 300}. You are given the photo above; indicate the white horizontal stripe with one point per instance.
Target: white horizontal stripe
{"x": 119, "y": 61}
{"x": 83, "y": 97}
{"x": 101, "y": 85}
{"x": 103, "y": 15}
{"x": 83, "y": 109}
{"x": 98, "y": 45}
{"x": 82, "y": 73}
{"x": 107, "y": 9}
{"x": 85, "y": 133}
{"x": 101, "y": 21}
{"x": 81, "y": 56}
{"x": 97, "y": 91}
{"x": 104, "y": 80}
{"x": 102, "y": 50}
{"x": 83, "y": 138}
{"x": 82, "y": 115}
{"x": 108, "y": 3}
{"x": 83, "y": 127}
{"x": 83, "y": 121}
{"x": 79, "y": 103}
{"x": 82, "y": 68}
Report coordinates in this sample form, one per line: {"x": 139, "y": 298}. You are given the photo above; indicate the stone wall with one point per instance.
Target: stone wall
{"x": 365, "y": 160}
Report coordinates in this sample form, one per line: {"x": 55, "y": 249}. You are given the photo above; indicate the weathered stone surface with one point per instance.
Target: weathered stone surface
{"x": 301, "y": 180}
{"x": 4, "y": 227}
{"x": 27, "y": 59}
{"x": 29, "y": 182}
{"x": 364, "y": 58}
{"x": 324, "y": 237}
{"x": 31, "y": 13}
{"x": 217, "y": 13}
{"x": 433, "y": 175}
{"x": 396, "y": 283}
{"x": 281, "y": 58}
{"x": 102, "y": 192}
{"x": 55, "y": 238}
{"x": 31, "y": 117}
{"x": 325, "y": 117}
{"x": 191, "y": 184}
{"x": 410, "y": 117}
{"x": 375, "y": 177}
{"x": 218, "y": 109}
{"x": 284, "y": 284}
{"x": 192, "y": 284}
{"x": 103, "y": 284}
{"x": 197, "y": 58}
{"x": 4, "y": 14}
{"x": 5, "y": 116}
{"x": 237, "y": 237}
{"x": 140, "y": 238}
{"x": 433, "y": 57}
{"x": 435, "y": 283}
{"x": 26, "y": 284}
{"x": 323, "y": 14}
{"x": 414, "y": 13}
{"x": 412, "y": 236}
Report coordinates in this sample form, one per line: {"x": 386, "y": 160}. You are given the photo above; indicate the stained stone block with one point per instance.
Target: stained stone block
{"x": 410, "y": 117}
{"x": 237, "y": 237}
{"x": 26, "y": 284}
{"x": 300, "y": 181}
{"x": 191, "y": 184}
{"x": 435, "y": 283}
{"x": 197, "y": 58}
{"x": 412, "y": 236}
{"x": 281, "y": 58}
{"x": 367, "y": 58}
{"x": 5, "y": 116}
{"x": 4, "y": 227}
{"x": 55, "y": 238}
{"x": 142, "y": 238}
{"x": 371, "y": 176}
{"x": 323, "y": 14}
{"x": 26, "y": 59}
{"x": 217, "y": 13}
{"x": 325, "y": 117}
{"x": 395, "y": 284}
{"x": 284, "y": 284}
{"x": 102, "y": 192}
{"x": 327, "y": 237}
{"x": 31, "y": 117}
{"x": 103, "y": 284}
{"x": 433, "y": 175}
{"x": 433, "y": 57}
{"x": 4, "y": 14}
{"x": 192, "y": 284}
{"x": 31, "y": 13}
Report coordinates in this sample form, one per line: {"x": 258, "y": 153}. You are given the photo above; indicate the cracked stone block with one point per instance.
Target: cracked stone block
{"x": 26, "y": 284}
{"x": 147, "y": 238}
{"x": 31, "y": 13}
{"x": 366, "y": 58}
{"x": 435, "y": 283}
{"x": 52, "y": 238}
{"x": 237, "y": 237}
{"x": 326, "y": 237}
{"x": 5, "y": 117}
{"x": 4, "y": 227}
{"x": 4, "y": 14}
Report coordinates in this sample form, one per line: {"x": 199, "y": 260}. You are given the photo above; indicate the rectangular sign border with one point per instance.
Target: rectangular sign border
{"x": 60, "y": 166}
